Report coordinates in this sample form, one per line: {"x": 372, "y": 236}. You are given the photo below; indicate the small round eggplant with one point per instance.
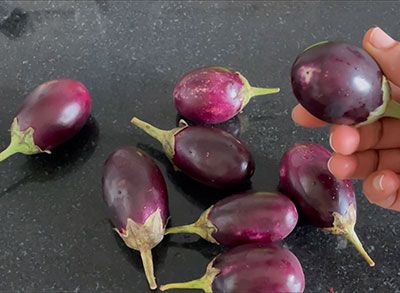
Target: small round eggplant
{"x": 136, "y": 197}
{"x": 212, "y": 95}
{"x": 210, "y": 156}
{"x": 244, "y": 218}
{"x": 255, "y": 268}
{"x": 341, "y": 84}
{"x": 327, "y": 202}
{"x": 52, "y": 114}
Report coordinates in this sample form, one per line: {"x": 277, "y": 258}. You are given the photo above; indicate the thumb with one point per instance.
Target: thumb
{"x": 385, "y": 51}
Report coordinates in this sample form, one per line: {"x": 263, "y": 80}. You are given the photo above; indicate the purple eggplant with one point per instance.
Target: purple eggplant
{"x": 341, "y": 84}
{"x": 210, "y": 156}
{"x": 136, "y": 196}
{"x": 52, "y": 114}
{"x": 255, "y": 268}
{"x": 243, "y": 218}
{"x": 325, "y": 201}
{"x": 212, "y": 95}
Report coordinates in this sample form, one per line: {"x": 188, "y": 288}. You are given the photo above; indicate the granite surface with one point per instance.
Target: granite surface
{"x": 55, "y": 235}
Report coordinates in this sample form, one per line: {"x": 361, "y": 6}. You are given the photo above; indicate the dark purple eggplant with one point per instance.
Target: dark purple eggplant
{"x": 255, "y": 268}
{"x": 52, "y": 114}
{"x": 244, "y": 218}
{"x": 136, "y": 197}
{"x": 342, "y": 84}
{"x": 210, "y": 156}
{"x": 325, "y": 201}
{"x": 212, "y": 95}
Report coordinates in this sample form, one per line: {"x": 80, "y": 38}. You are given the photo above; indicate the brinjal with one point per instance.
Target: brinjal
{"x": 325, "y": 201}
{"x": 243, "y": 218}
{"x": 51, "y": 114}
{"x": 210, "y": 156}
{"x": 342, "y": 84}
{"x": 255, "y": 268}
{"x": 213, "y": 95}
{"x": 136, "y": 197}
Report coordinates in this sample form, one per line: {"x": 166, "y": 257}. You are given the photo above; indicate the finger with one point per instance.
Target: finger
{"x": 385, "y": 51}
{"x": 381, "y": 134}
{"x": 302, "y": 117}
{"x": 361, "y": 164}
{"x": 382, "y": 188}
{"x": 344, "y": 139}
{"x": 395, "y": 91}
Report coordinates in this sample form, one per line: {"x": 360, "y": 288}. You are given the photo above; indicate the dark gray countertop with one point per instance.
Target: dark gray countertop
{"x": 55, "y": 235}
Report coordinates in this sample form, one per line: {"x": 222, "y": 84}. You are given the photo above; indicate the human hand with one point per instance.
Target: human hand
{"x": 371, "y": 152}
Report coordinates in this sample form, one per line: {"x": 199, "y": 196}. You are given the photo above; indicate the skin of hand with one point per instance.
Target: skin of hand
{"x": 371, "y": 152}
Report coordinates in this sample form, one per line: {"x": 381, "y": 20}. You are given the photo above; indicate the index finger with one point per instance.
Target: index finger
{"x": 302, "y": 117}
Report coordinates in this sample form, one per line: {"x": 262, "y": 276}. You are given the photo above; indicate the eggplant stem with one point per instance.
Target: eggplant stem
{"x": 353, "y": 238}
{"x": 189, "y": 229}
{"x": 247, "y": 92}
{"x": 204, "y": 283}
{"x": 202, "y": 227}
{"x": 9, "y": 151}
{"x": 147, "y": 260}
{"x": 259, "y": 91}
{"x": 159, "y": 134}
{"x": 165, "y": 137}
{"x": 196, "y": 284}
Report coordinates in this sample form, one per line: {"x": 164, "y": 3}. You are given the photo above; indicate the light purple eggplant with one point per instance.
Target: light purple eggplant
{"x": 210, "y": 156}
{"x": 244, "y": 218}
{"x": 52, "y": 114}
{"x": 325, "y": 201}
{"x": 255, "y": 268}
{"x": 136, "y": 197}
{"x": 342, "y": 84}
{"x": 212, "y": 95}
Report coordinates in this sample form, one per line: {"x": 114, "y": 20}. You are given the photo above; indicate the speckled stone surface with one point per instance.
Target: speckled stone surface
{"x": 55, "y": 235}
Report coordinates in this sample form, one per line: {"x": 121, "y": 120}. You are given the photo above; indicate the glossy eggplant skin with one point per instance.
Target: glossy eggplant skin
{"x": 253, "y": 217}
{"x": 212, "y": 156}
{"x": 56, "y": 110}
{"x": 306, "y": 179}
{"x": 337, "y": 82}
{"x": 133, "y": 187}
{"x": 258, "y": 268}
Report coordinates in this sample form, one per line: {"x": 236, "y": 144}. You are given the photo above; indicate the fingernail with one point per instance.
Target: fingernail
{"x": 378, "y": 182}
{"x": 388, "y": 202}
{"x": 330, "y": 142}
{"x": 381, "y": 40}
{"x": 328, "y": 164}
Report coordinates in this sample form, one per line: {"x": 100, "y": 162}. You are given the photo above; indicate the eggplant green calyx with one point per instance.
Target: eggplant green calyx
{"x": 344, "y": 225}
{"x": 21, "y": 142}
{"x": 165, "y": 137}
{"x": 247, "y": 92}
{"x": 202, "y": 227}
{"x": 143, "y": 238}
